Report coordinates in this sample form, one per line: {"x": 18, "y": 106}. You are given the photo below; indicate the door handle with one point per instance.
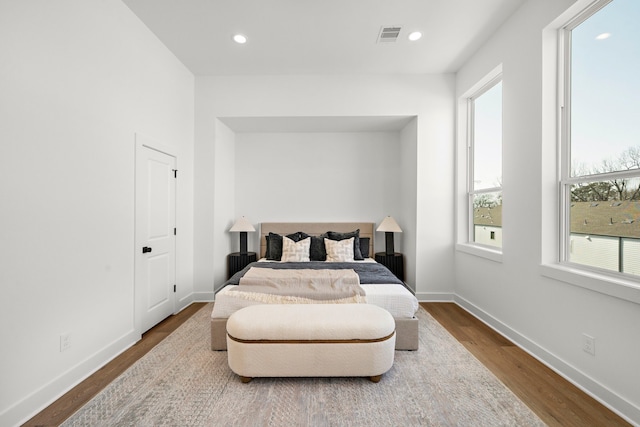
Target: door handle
{"x": 146, "y": 249}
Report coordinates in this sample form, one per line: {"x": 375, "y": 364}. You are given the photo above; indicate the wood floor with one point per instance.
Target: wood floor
{"x": 553, "y": 399}
{"x": 64, "y": 407}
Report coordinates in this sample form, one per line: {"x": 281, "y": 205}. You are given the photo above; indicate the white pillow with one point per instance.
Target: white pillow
{"x": 295, "y": 251}
{"x": 339, "y": 251}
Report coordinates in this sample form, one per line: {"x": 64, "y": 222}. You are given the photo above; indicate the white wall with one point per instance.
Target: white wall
{"x": 78, "y": 79}
{"x": 429, "y": 158}
{"x": 323, "y": 176}
{"x": 547, "y": 317}
{"x": 224, "y": 198}
{"x": 409, "y": 203}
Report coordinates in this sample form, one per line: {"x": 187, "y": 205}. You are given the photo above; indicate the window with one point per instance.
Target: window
{"x": 600, "y": 147}
{"x": 485, "y": 165}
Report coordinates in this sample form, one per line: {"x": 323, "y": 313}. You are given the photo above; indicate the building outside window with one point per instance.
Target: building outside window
{"x": 485, "y": 165}
{"x": 600, "y": 141}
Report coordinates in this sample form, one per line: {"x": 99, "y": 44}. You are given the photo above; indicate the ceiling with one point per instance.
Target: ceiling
{"x": 322, "y": 37}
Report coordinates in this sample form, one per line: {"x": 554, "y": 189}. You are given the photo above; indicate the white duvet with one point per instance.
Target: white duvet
{"x": 396, "y": 299}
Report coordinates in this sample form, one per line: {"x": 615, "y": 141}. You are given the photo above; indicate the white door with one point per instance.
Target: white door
{"x": 155, "y": 267}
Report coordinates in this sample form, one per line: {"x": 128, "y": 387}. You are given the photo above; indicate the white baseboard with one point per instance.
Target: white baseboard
{"x": 203, "y": 296}
{"x": 41, "y": 398}
{"x": 435, "y": 296}
{"x": 184, "y": 302}
{"x": 49, "y": 393}
{"x": 194, "y": 297}
{"x": 23, "y": 410}
{"x": 599, "y": 392}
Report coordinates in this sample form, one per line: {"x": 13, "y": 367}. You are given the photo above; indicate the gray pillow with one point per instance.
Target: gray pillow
{"x": 317, "y": 251}
{"x": 364, "y": 247}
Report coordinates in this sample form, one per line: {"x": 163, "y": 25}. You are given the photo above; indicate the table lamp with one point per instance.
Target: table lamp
{"x": 243, "y": 226}
{"x": 389, "y": 226}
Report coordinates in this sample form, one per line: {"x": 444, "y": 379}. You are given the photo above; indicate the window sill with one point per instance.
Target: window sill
{"x": 480, "y": 251}
{"x": 617, "y": 287}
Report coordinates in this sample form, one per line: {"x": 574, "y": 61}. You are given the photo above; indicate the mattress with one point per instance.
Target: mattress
{"x": 396, "y": 299}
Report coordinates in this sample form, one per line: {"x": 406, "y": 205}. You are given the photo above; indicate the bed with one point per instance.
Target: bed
{"x": 379, "y": 286}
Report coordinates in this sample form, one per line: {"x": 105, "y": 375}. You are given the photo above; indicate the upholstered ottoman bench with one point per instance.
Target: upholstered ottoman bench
{"x": 311, "y": 340}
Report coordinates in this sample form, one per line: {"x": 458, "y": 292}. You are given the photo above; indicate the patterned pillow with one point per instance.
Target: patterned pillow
{"x": 357, "y": 255}
{"x": 274, "y": 244}
{"x": 339, "y": 250}
{"x": 295, "y": 251}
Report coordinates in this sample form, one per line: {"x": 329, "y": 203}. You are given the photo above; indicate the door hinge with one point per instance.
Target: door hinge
{"x": 175, "y": 173}
{"x": 174, "y": 288}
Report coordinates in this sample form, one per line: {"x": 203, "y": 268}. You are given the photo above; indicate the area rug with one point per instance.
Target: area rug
{"x": 181, "y": 382}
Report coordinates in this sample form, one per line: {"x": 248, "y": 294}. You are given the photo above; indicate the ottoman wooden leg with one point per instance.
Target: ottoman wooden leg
{"x": 375, "y": 378}
{"x": 245, "y": 379}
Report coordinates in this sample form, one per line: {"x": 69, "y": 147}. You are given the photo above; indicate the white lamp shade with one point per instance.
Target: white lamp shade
{"x": 389, "y": 225}
{"x": 242, "y": 225}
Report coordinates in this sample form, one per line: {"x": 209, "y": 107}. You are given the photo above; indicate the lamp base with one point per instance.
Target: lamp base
{"x": 243, "y": 242}
{"x": 388, "y": 239}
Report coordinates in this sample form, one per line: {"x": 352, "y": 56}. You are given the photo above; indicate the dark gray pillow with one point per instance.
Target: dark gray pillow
{"x": 302, "y": 235}
{"x": 364, "y": 247}
{"x": 274, "y": 247}
{"x": 317, "y": 250}
{"x": 274, "y": 244}
{"x": 268, "y": 247}
{"x": 357, "y": 254}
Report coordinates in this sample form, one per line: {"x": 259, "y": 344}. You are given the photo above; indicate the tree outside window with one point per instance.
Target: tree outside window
{"x": 600, "y": 179}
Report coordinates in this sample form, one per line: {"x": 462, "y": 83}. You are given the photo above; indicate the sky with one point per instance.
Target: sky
{"x": 487, "y": 165}
{"x": 605, "y": 92}
{"x": 605, "y": 95}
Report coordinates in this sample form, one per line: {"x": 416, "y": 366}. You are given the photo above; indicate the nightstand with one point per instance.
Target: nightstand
{"x": 394, "y": 262}
{"x": 237, "y": 261}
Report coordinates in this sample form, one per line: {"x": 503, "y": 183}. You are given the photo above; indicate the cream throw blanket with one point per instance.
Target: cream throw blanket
{"x": 270, "y": 285}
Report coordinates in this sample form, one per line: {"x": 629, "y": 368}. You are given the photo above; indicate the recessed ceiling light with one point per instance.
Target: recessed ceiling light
{"x": 416, "y": 35}
{"x": 603, "y": 36}
{"x": 240, "y": 39}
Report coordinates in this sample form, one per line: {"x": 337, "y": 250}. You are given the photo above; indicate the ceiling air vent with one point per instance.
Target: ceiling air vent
{"x": 389, "y": 34}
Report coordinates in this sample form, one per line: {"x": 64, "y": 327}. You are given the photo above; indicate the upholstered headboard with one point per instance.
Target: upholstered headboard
{"x": 315, "y": 229}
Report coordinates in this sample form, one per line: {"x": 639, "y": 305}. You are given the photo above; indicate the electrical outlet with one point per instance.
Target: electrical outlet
{"x": 589, "y": 344}
{"x": 65, "y": 342}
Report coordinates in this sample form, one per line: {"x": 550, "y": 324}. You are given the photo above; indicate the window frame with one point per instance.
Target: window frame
{"x": 552, "y": 266}
{"x": 485, "y": 86}
{"x": 566, "y": 180}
